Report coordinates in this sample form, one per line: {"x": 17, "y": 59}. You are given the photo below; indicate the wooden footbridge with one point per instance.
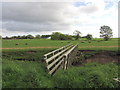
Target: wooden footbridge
{"x": 60, "y": 58}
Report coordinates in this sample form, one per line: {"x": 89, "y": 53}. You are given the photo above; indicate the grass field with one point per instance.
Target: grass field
{"x": 25, "y": 68}
{"x": 83, "y": 44}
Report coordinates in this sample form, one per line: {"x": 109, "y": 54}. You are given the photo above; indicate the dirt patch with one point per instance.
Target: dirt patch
{"x": 31, "y": 52}
{"x": 99, "y": 46}
{"x": 30, "y": 47}
{"x": 23, "y": 59}
{"x": 86, "y": 50}
{"x": 58, "y": 47}
{"x": 101, "y": 57}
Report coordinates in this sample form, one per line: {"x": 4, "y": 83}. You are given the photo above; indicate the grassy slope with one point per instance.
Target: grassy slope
{"x": 89, "y": 76}
{"x": 26, "y": 54}
{"x": 29, "y": 74}
{"x": 26, "y": 74}
{"x": 33, "y": 74}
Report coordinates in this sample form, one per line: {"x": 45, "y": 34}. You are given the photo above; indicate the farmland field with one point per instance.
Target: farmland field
{"x": 43, "y": 43}
{"x": 23, "y": 65}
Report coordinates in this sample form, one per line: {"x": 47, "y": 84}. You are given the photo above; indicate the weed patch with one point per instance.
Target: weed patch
{"x": 92, "y": 75}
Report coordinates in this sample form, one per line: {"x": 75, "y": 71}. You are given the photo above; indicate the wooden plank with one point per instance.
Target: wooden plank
{"x": 116, "y": 79}
{"x": 50, "y": 65}
{"x": 60, "y": 53}
{"x": 51, "y": 58}
{"x": 55, "y": 67}
{"x": 70, "y": 50}
{"x": 56, "y": 50}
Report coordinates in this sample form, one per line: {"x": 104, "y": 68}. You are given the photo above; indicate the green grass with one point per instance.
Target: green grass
{"x": 113, "y": 42}
{"x": 33, "y": 74}
{"x": 30, "y": 55}
{"x": 92, "y": 75}
{"x": 32, "y": 43}
{"x": 25, "y": 74}
{"x": 83, "y": 44}
{"x": 95, "y": 45}
{"x": 29, "y": 74}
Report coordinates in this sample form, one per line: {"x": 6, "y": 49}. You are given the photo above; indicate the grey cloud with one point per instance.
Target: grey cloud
{"x": 89, "y": 9}
{"x": 31, "y": 12}
{"x": 41, "y": 16}
{"x": 34, "y": 16}
{"x": 30, "y": 27}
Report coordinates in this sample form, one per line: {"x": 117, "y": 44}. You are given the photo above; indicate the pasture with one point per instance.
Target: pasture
{"x": 96, "y": 44}
{"x": 23, "y": 65}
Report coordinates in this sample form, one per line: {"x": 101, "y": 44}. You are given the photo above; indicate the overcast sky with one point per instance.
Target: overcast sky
{"x": 23, "y": 18}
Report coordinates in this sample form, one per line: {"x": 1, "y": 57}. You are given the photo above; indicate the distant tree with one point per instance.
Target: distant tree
{"x": 65, "y": 37}
{"x": 37, "y": 36}
{"x": 30, "y": 36}
{"x": 18, "y": 37}
{"x": 89, "y": 37}
{"x": 23, "y": 37}
{"x": 45, "y": 36}
{"x": 60, "y": 36}
{"x": 68, "y": 37}
{"x": 73, "y": 36}
{"x": 106, "y": 32}
{"x": 55, "y": 35}
{"x": 83, "y": 37}
{"x": 77, "y": 34}
{"x": 13, "y": 37}
{"x": 6, "y": 37}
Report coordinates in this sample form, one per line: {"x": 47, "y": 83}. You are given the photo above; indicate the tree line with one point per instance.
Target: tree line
{"x": 105, "y": 32}
{"x": 53, "y": 36}
{"x": 27, "y": 37}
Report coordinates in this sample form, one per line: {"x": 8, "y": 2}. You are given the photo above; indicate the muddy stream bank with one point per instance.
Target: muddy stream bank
{"x": 102, "y": 57}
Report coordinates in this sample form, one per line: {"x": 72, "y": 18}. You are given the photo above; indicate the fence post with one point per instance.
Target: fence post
{"x": 65, "y": 62}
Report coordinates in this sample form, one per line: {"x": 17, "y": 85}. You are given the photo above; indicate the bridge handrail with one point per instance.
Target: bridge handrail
{"x": 56, "y": 59}
{"x": 56, "y": 50}
{"x": 49, "y": 59}
{"x": 66, "y": 54}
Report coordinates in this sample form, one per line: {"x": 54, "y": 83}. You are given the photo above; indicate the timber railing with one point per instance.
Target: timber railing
{"x": 58, "y": 58}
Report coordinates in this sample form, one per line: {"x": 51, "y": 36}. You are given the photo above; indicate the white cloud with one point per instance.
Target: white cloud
{"x": 45, "y": 17}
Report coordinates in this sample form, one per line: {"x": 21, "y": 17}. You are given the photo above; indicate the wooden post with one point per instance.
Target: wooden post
{"x": 63, "y": 63}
